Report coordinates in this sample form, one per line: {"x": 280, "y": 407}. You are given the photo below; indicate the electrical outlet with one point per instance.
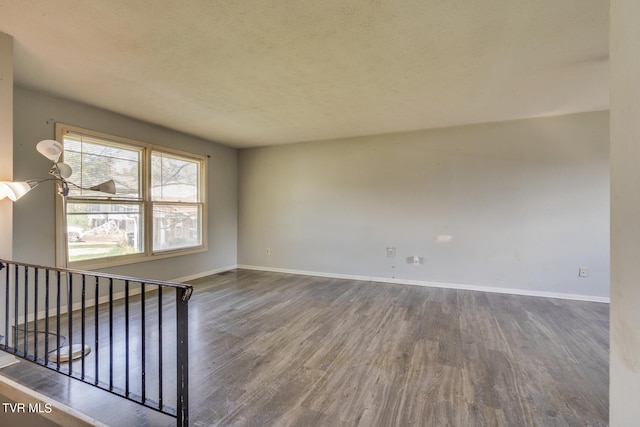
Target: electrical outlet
{"x": 416, "y": 260}
{"x": 391, "y": 252}
{"x": 267, "y": 251}
{"x": 583, "y": 272}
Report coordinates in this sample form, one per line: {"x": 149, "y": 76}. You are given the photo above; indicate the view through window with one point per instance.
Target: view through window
{"x": 177, "y": 213}
{"x": 157, "y": 209}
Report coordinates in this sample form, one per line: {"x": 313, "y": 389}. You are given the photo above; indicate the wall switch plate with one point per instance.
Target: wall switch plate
{"x": 267, "y": 251}
{"x": 391, "y": 252}
{"x": 583, "y": 272}
{"x": 416, "y": 260}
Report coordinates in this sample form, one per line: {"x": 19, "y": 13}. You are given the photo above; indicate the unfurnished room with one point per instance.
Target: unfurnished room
{"x": 279, "y": 213}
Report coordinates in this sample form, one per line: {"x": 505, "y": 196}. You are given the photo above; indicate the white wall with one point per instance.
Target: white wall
{"x": 625, "y": 213}
{"x": 34, "y": 225}
{"x": 6, "y": 161}
{"x": 526, "y": 203}
{"x": 6, "y": 141}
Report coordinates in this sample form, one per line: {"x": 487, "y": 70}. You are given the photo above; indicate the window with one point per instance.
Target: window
{"x": 158, "y": 209}
{"x": 175, "y": 195}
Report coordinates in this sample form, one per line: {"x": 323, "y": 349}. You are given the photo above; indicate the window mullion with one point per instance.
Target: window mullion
{"x": 148, "y": 204}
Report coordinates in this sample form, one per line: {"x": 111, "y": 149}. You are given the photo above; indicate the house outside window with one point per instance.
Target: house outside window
{"x": 158, "y": 210}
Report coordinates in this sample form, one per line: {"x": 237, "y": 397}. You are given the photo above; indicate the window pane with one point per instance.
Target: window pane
{"x": 174, "y": 178}
{"x": 100, "y": 230}
{"x": 176, "y": 227}
{"x": 95, "y": 161}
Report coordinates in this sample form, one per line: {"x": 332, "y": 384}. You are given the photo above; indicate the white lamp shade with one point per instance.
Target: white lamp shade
{"x": 14, "y": 190}
{"x": 64, "y": 170}
{"x": 105, "y": 187}
{"x": 50, "y": 148}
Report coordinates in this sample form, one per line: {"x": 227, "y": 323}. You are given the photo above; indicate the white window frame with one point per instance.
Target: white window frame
{"x": 62, "y": 259}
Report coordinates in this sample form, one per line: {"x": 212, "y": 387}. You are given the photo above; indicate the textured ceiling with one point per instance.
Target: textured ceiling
{"x": 250, "y": 73}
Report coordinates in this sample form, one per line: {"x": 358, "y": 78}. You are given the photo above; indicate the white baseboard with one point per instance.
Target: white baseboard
{"x": 120, "y": 295}
{"x": 512, "y": 291}
{"x": 204, "y": 274}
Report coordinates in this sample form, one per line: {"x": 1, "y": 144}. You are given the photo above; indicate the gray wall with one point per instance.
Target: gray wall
{"x": 526, "y": 203}
{"x": 625, "y": 214}
{"x": 34, "y": 219}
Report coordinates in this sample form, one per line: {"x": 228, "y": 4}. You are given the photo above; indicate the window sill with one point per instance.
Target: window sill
{"x": 95, "y": 264}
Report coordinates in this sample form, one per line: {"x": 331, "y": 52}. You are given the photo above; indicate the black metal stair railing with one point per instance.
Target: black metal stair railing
{"x": 121, "y": 329}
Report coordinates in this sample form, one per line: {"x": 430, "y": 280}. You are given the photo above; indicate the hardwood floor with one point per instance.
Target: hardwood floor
{"x": 279, "y": 349}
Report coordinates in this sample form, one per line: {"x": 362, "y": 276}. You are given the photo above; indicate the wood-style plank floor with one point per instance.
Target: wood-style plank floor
{"x": 279, "y": 349}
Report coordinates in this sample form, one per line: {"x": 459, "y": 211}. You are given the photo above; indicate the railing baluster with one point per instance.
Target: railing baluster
{"x": 182, "y": 354}
{"x": 46, "y": 317}
{"x": 126, "y": 338}
{"x": 16, "y": 296}
{"x": 143, "y": 341}
{"x": 26, "y": 311}
{"x": 96, "y": 332}
{"x": 70, "y": 320}
{"x": 82, "y": 322}
{"x": 6, "y": 307}
{"x": 35, "y": 314}
{"x": 110, "y": 334}
{"x": 160, "y": 346}
{"x": 58, "y": 322}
